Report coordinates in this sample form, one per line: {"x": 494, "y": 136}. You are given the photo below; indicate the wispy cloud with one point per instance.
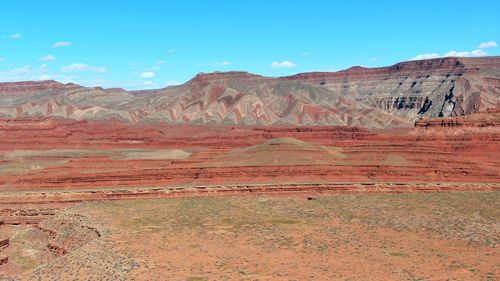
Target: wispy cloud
{"x": 148, "y": 84}
{"x": 172, "y": 51}
{"x": 305, "y": 53}
{"x": 19, "y": 70}
{"x": 373, "y": 59}
{"x": 474, "y": 53}
{"x": 283, "y": 64}
{"x": 81, "y": 67}
{"x": 15, "y": 36}
{"x": 148, "y": 74}
{"x": 172, "y": 83}
{"x": 221, "y": 63}
{"x": 486, "y": 45}
{"x": 29, "y": 73}
{"x": 426, "y": 56}
{"x": 47, "y": 58}
{"x": 160, "y": 62}
{"x": 61, "y": 44}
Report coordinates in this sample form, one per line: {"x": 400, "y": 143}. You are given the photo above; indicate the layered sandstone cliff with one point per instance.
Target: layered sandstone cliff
{"x": 425, "y": 88}
{"x": 394, "y": 96}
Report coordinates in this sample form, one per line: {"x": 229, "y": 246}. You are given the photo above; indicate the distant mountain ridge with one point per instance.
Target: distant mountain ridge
{"x": 394, "y": 96}
{"x": 425, "y": 88}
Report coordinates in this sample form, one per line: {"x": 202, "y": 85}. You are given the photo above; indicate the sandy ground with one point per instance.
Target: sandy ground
{"x": 435, "y": 236}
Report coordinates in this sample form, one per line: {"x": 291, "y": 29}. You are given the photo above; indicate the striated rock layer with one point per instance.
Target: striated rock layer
{"x": 386, "y": 97}
{"x": 108, "y": 155}
{"x": 425, "y": 88}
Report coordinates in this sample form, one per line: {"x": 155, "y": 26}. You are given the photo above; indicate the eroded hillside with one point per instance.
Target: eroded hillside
{"x": 386, "y": 97}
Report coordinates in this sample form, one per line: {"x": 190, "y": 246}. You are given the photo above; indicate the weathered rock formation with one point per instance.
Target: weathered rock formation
{"x": 83, "y": 154}
{"x": 4, "y": 243}
{"x": 394, "y": 96}
{"x": 425, "y": 88}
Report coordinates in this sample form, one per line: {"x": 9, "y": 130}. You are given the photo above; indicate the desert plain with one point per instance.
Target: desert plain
{"x": 233, "y": 176}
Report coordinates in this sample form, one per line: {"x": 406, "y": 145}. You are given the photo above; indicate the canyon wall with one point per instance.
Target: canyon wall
{"x": 425, "y": 88}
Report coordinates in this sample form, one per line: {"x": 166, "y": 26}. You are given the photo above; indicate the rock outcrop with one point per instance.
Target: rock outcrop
{"x": 88, "y": 154}
{"x": 425, "y": 88}
{"x": 394, "y": 96}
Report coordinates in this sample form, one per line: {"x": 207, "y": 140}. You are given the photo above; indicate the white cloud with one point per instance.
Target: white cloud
{"x": 20, "y": 70}
{"x": 160, "y": 62}
{"x": 173, "y": 83}
{"x": 478, "y": 53}
{"x": 155, "y": 68}
{"x": 79, "y": 67}
{"x": 28, "y": 73}
{"x": 373, "y": 59}
{"x": 172, "y": 51}
{"x": 453, "y": 53}
{"x": 42, "y": 72}
{"x": 474, "y": 53}
{"x": 426, "y": 56}
{"x": 148, "y": 83}
{"x": 61, "y": 44}
{"x": 283, "y": 64}
{"x": 218, "y": 63}
{"x": 1, "y": 59}
{"x": 304, "y": 53}
{"x": 148, "y": 74}
{"x": 47, "y": 58}
{"x": 486, "y": 45}
{"x": 16, "y": 36}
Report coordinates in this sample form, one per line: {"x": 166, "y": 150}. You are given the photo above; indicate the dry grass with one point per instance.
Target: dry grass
{"x": 128, "y": 154}
{"x": 469, "y": 216}
{"x": 404, "y": 236}
{"x": 280, "y": 151}
{"x": 30, "y": 161}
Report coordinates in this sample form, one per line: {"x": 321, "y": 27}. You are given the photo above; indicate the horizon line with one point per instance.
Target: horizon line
{"x": 258, "y": 75}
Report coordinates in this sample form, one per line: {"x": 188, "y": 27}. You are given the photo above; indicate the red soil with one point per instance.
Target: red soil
{"x": 468, "y": 153}
{"x": 49, "y": 164}
{"x": 467, "y": 156}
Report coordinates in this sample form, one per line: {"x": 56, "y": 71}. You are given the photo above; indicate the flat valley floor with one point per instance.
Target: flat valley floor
{"x": 414, "y": 236}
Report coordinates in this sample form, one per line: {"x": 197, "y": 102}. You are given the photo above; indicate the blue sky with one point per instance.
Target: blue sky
{"x": 151, "y": 44}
